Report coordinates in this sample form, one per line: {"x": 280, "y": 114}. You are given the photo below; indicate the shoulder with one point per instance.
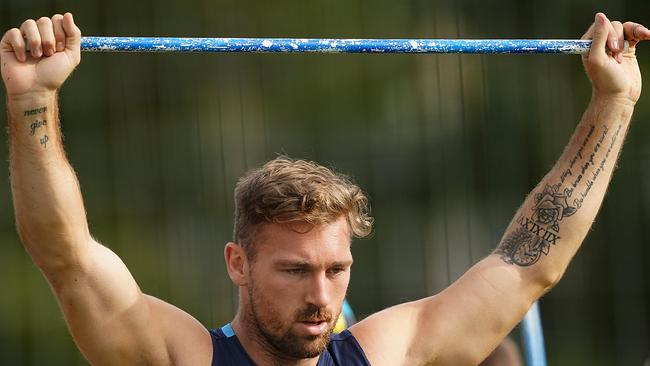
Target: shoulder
{"x": 387, "y": 336}
{"x": 188, "y": 341}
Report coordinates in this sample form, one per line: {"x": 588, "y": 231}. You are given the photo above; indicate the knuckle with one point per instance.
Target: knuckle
{"x": 57, "y": 16}
{"x": 14, "y": 32}
{"x": 43, "y": 21}
{"x": 28, "y": 22}
{"x": 8, "y": 35}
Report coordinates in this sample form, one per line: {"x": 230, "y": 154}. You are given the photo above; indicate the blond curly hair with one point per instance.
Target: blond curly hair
{"x": 285, "y": 190}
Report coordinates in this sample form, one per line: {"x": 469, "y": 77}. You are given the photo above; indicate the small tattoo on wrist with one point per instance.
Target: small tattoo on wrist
{"x": 31, "y": 112}
{"x": 36, "y": 125}
{"x": 44, "y": 141}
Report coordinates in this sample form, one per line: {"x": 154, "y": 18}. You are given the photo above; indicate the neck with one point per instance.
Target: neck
{"x": 258, "y": 348}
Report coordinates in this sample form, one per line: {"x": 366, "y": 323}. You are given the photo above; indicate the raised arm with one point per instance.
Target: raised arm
{"x": 462, "y": 324}
{"x": 111, "y": 320}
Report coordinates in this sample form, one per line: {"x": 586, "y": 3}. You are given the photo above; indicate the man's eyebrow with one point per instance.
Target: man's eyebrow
{"x": 304, "y": 263}
{"x": 347, "y": 263}
{"x": 291, "y": 262}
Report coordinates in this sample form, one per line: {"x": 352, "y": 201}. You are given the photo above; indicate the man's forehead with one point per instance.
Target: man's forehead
{"x": 283, "y": 240}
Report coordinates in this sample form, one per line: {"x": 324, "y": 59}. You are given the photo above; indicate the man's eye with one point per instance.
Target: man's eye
{"x": 295, "y": 270}
{"x": 337, "y": 270}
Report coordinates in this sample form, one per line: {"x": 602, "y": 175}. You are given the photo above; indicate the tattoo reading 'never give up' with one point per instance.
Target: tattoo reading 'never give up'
{"x": 538, "y": 231}
{"x": 37, "y": 124}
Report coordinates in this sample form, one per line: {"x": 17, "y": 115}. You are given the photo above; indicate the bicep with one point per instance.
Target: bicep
{"x": 471, "y": 317}
{"x": 111, "y": 320}
{"x": 459, "y": 326}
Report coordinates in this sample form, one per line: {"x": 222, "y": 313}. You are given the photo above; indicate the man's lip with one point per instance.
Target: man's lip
{"x": 314, "y": 328}
{"x": 314, "y": 321}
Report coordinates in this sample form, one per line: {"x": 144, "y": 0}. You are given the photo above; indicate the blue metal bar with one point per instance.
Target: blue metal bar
{"x": 533, "y": 337}
{"x": 146, "y": 44}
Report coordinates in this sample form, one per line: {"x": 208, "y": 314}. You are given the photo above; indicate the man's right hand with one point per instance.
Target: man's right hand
{"x": 38, "y": 57}
{"x": 614, "y": 73}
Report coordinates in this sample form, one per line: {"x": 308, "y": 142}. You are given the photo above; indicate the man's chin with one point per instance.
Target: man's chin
{"x": 310, "y": 346}
{"x": 314, "y": 348}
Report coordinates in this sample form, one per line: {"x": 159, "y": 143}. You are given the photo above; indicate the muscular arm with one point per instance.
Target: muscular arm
{"x": 111, "y": 320}
{"x": 49, "y": 210}
{"x": 465, "y": 322}
{"x": 553, "y": 221}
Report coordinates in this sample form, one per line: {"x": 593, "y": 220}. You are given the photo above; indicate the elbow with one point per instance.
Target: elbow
{"x": 549, "y": 279}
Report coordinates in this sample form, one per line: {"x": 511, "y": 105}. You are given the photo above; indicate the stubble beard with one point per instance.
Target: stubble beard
{"x": 279, "y": 339}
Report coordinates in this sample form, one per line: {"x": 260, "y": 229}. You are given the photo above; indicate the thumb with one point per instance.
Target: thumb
{"x": 600, "y": 33}
{"x": 72, "y": 33}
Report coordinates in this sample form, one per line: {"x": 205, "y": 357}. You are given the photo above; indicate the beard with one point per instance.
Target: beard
{"x": 281, "y": 339}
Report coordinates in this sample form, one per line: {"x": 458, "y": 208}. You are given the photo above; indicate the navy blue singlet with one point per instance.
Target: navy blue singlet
{"x": 343, "y": 349}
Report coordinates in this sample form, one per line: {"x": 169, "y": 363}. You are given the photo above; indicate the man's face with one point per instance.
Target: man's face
{"x": 297, "y": 285}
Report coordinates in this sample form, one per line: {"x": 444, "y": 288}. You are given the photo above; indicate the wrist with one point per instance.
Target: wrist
{"x": 31, "y": 97}
{"x": 612, "y": 101}
{"x": 17, "y": 104}
{"x": 30, "y": 106}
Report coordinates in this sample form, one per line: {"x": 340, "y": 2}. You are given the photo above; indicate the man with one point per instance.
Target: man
{"x": 294, "y": 221}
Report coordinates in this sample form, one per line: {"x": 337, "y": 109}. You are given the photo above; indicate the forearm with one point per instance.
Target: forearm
{"x": 49, "y": 209}
{"x": 550, "y": 226}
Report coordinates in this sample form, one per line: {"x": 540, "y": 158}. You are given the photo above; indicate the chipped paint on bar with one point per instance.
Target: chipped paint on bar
{"x": 266, "y": 45}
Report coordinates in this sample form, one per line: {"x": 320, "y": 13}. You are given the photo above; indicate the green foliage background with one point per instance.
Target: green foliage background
{"x": 447, "y": 147}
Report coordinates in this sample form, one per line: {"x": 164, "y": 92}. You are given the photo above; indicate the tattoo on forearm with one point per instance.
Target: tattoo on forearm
{"x": 535, "y": 235}
{"x": 523, "y": 248}
{"x": 36, "y": 125}
{"x": 44, "y": 141}
{"x": 594, "y": 175}
{"x": 551, "y": 207}
{"x": 537, "y": 232}
{"x": 31, "y": 112}
{"x": 578, "y": 155}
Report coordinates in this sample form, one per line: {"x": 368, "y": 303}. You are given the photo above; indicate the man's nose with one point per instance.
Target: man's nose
{"x": 318, "y": 291}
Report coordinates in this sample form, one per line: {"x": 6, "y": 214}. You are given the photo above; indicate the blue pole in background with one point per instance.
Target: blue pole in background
{"x": 313, "y": 45}
{"x": 533, "y": 337}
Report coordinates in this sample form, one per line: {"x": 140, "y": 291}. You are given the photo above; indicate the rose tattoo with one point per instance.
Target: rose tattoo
{"x": 551, "y": 207}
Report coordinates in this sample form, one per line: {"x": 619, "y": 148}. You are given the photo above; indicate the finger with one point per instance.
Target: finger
{"x": 47, "y": 35}
{"x": 14, "y": 40}
{"x": 72, "y": 33}
{"x": 600, "y": 34}
{"x": 620, "y": 41}
{"x": 619, "y": 35}
{"x": 32, "y": 37}
{"x": 59, "y": 33}
{"x": 635, "y": 31}
{"x": 612, "y": 39}
{"x": 589, "y": 34}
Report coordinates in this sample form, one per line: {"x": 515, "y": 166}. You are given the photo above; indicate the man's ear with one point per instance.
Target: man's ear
{"x": 236, "y": 263}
